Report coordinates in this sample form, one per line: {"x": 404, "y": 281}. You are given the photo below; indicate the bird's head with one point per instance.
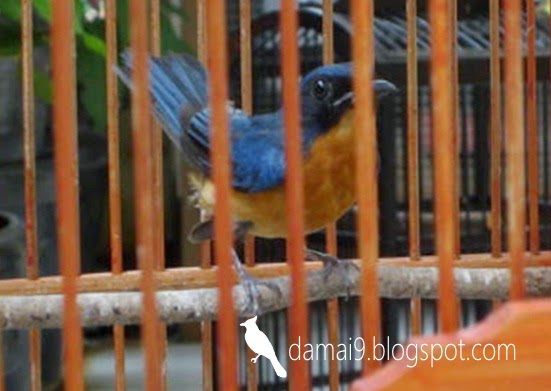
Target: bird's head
{"x": 327, "y": 95}
{"x": 248, "y": 323}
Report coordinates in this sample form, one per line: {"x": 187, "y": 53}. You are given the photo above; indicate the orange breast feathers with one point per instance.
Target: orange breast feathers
{"x": 329, "y": 188}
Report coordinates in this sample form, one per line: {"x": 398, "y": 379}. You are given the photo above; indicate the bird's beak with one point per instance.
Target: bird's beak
{"x": 383, "y": 88}
{"x": 346, "y": 98}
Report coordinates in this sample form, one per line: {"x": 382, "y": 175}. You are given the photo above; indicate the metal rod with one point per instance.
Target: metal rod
{"x": 532, "y": 129}
{"x": 143, "y": 180}
{"x": 455, "y": 124}
{"x": 157, "y": 144}
{"x": 205, "y": 248}
{"x": 299, "y": 378}
{"x": 413, "y": 132}
{"x": 221, "y": 174}
{"x": 113, "y": 143}
{"x": 31, "y": 238}
{"x": 247, "y": 105}
{"x": 514, "y": 145}
{"x": 495, "y": 129}
{"x": 332, "y": 311}
{"x": 328, "y": 36}
{"x": 66, "y": 175}
{"x": 445, "y": 162}
{"x": 158, "y": 183}
{"x": 366, "y": 175}
{"x": 2, "y": 376}
{"x": 331, "y": 229}
{"x": 413, "y": 154}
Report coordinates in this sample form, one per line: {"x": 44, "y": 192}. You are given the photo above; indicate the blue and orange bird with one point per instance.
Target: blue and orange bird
{"x": 178, "y": 85}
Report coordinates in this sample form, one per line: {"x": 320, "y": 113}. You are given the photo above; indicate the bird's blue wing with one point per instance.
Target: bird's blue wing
{"x": 178, "y": 86}
{"x": 257, "y": 153}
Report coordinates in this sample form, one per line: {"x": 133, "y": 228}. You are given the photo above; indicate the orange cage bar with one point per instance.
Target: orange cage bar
{"x": 514, "y": 146}
{"x": 445, "y": 169}
{"x": 495, "y": 129}
{"x": 298, "y": 317}
{"x": 66, "y": 166}
{"x": 143, "y": 174}
{"x": 217, "y": 65}
{"x": 30, "y": 178}
{"x": 115, "y": 212}
{"x": 366, "y": 177}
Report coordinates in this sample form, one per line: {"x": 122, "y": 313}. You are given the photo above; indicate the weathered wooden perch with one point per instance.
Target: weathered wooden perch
{"x": 202, "y": 304}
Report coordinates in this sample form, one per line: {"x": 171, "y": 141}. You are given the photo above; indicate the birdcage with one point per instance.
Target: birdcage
{"x": 452, "y": 189}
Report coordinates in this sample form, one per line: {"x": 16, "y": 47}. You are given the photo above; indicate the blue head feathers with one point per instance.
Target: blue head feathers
{"x": 327, "y": 94}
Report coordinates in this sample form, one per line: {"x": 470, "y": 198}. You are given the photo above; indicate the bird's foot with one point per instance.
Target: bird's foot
{"x": 332, "y": 264}
{"x": 251, "y": 286}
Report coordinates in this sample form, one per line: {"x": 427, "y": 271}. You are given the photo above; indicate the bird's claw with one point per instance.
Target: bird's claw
{"x": 252, "y": 292}
{"x": 332, "y": 265}
{"x": 250, "y": 286}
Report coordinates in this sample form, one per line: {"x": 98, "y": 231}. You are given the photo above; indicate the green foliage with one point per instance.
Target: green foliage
{"x": 90, "y": 45}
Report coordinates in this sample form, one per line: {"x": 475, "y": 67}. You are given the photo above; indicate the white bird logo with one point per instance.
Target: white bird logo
{"x": 261, "y": 345}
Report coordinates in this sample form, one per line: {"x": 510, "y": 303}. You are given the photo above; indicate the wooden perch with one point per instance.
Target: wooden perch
{"x": 202, "y": 304}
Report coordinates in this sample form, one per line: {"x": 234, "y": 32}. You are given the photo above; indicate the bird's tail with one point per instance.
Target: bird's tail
{"x": 279, "y": 370}
{"x": 178, "y": 86}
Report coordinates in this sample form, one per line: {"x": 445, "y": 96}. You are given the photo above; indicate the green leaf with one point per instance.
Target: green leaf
{"x": 95, "y": 44}
{"x": 9, "y": 50}
{"x": 171, "y": 42}
{"x": 43, "y": 86}
{"x": 44, "y": 9}
{"x": 10, "y": 9}
{"x": 11, "y": 43}
{"x": 123, "y": 26}
{"x": 91, "y": 85}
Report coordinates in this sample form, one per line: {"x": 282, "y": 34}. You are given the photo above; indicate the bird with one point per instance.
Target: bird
{"x": 259, "y": 343}
{"x": 179, "y": 90}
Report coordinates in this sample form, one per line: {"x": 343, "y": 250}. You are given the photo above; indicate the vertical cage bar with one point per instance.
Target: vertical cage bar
{"x": 221, "y": 170}
{"x": 328, "y": 36}
{"x": 143, "y": 181}
{"x": 514, "y": 145}
{"x": 246, "y": 96}
{"x": 366, "y": 175}
{"x": 245, "y": 17}
{"x": 413, "y": 132}
{"x": 113, "y": 145}
{"x": 157, "y": 146}
{"x": 31, "y": 238}
{"x": 205, "y": 247}
{"x": 299, "y": 378}
{"x": 246, "y": 92}
{"x": 532, "y": 129}
{"x": 2, "y": 377}
{"x": 247, "y": 105}
{"x": 331, "y": 229}
{"x": 413, "y": 154}
{"x": 495, "y": 129}
{"x": 445, "y": 163}
{"x": 158, "y": 183}
{"x": 455, "y": 125}
{"x": 66, "y": 174}
{"x": 332, "y": 311}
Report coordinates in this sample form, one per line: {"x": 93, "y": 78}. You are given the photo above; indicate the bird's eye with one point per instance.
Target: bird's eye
{"x": 321, "y": 89}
